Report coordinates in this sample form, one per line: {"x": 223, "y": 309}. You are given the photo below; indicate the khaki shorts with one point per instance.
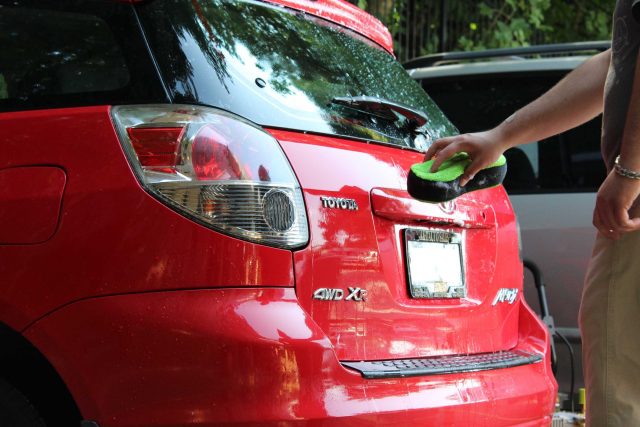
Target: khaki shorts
{"x": 610, "y": 327}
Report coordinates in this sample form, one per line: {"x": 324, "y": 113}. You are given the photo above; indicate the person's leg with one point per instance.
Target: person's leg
{"x": 610, "y": 328}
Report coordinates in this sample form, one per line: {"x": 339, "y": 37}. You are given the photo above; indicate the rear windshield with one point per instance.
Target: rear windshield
{"x": 281, "y": 68}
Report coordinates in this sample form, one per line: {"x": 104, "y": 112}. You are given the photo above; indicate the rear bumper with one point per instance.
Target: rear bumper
{"x": 253, "y": 356}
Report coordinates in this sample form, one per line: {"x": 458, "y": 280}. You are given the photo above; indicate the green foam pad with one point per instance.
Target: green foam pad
{"x": 450, "y": 169}
{"x": 444, "y": 185}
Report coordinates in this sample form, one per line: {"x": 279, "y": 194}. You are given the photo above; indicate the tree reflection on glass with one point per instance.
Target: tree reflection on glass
{"x": 304, "y": 61}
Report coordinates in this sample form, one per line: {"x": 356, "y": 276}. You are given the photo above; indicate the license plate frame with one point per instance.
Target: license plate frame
{"x": 435, "y": 264}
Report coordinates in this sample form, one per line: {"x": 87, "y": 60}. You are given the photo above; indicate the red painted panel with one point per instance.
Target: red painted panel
{"x": 255, "y": 357}
{"x": 365, "y": 248}
{"x": 345, "y": 14}
{"x": 30, "y": 199}
{"x": 113, "y": 237}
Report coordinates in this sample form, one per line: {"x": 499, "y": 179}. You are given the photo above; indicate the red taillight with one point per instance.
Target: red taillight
{"x": 216, "y": 168}
{"x": 156, "y": 147}
{"x": 212, "y": 159}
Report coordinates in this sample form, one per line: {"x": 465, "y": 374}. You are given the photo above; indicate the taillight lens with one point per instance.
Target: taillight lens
{"x": 211, "y": 156}
{"x": 216, "y": 168}
{"x": 156, "y": 147}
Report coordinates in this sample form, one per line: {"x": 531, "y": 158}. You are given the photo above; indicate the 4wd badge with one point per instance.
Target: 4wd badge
{"x": 336, "y": 294}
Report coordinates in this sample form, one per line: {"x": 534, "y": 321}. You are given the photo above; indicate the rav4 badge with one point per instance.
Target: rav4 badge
{"x": 507, "y": 295}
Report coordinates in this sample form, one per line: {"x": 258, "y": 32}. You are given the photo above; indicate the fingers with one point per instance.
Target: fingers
{"x": 627, "y": 225}
{"x": 635, "y": 224}
{"x": 604, "y": 228}
{"x": 481, "y": 149}
{"x": 437, "y": 146}
{"x": 443, "y": 155}
{"x": 612, "y": 222}
{"x": 615, "y": 197}
{"x": 445, "y": 148}
{"x": 474, "y": 167}
{"x": 603, "y": 220}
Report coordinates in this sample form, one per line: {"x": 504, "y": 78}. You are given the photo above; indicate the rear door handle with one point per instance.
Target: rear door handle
{"x": 398, "y": 205}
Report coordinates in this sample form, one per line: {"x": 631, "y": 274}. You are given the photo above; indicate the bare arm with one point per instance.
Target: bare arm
{"x": 574, "y": 100}
{"x": 617, "y": 194}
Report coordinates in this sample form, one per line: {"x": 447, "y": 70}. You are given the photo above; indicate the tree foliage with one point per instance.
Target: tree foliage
{"x": 581, "y": 20}
{"x": 514, "y": 23}
{"x": 494, "y": 23}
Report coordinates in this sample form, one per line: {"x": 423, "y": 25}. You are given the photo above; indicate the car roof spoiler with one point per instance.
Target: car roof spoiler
{"x": 443, "y": 58}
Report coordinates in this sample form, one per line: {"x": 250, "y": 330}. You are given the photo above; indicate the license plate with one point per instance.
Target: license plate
{"x": 435, "y": 263}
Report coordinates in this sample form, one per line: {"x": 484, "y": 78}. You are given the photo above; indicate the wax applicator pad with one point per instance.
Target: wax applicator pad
{"x": 444, "y": 184}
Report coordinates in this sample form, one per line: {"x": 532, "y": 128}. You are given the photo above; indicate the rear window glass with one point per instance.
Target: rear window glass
{"x": 58, "y": 54}
{"x": 569, "y": 162}
{"x": 280, "y": 68}
{"x": 49, "y": 53}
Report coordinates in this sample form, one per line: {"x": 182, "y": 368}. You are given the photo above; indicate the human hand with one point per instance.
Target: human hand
{"x": 483, "y": 148}
{"x": 615, "y": 197}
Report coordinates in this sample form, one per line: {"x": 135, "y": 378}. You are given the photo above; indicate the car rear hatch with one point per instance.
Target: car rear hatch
{"x": 385, "y": 276}
{"x": 381, "y": 274}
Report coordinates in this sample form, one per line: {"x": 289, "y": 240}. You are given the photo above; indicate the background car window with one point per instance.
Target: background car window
{"x": 569, "y": 162}
{"x": 70, "y": 53}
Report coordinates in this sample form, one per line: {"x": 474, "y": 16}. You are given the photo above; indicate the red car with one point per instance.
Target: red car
{"x": 204, "y": 221}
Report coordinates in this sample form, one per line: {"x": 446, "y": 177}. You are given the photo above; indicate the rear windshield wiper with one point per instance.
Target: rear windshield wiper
{"x": 384, "y": 109}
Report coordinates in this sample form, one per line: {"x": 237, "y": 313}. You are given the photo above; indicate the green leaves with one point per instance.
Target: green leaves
{"x": 486, "y": 24}
{"x": 512, "y": 23}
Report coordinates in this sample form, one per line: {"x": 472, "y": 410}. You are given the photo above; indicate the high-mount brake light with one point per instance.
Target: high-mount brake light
{"x": 216, "y": 168}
